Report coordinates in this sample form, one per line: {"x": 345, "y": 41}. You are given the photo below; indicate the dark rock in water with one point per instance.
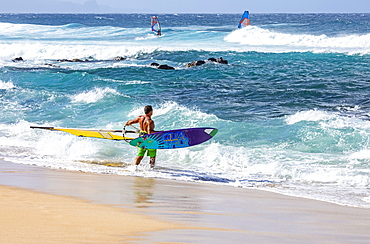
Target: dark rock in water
{"x": 119, "y": 58}
{"x": 221, "y": 61}
{"x": 18, "y": 59}
{"x": 52, "y": 65}
{"x": 165, "y": 66}
{"x": 192, "y": 64}
{"x": 200, "y": 62}
{"x": 73, "y": 60}
{"x": 161, "y": 66}
{"x": 195, "y": 63}
{"x": 79, "y": 60}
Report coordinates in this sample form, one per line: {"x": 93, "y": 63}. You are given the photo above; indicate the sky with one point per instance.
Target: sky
{"x": 184, "y": 6}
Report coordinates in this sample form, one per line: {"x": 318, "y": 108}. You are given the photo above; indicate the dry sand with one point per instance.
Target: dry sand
{"x": 75, "y": 207}
{"x": 32, "y": 217}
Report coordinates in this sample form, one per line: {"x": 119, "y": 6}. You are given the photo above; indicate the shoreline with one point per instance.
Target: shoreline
{"x": 186, "y": 211}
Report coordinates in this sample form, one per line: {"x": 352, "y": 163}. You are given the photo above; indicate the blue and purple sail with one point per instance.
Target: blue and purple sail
{"x": 244, "y": 21}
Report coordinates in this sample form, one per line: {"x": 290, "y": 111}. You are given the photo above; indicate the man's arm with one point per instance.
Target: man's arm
{"x": 133, "y": 121}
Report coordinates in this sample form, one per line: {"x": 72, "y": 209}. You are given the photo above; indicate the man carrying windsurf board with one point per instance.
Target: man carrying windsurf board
{"x": 146, "y": 127}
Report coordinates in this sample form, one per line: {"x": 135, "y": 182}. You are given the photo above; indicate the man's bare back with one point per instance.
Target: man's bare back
{"x": 146, "y": 123}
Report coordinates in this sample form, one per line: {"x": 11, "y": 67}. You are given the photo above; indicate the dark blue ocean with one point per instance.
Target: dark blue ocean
{"x": 292, "y": 105}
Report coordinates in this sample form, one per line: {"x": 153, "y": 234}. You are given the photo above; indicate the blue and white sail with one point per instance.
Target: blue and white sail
{"x": 244, "y": 21}
{"x": 156, "y": 27}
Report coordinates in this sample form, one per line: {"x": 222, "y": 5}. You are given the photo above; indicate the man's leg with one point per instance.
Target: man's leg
{"x": 138, "y": 160}
{"x": 152, "y": 153}
{"x": 140, "y": 155}
{"x": 152, "y": 162}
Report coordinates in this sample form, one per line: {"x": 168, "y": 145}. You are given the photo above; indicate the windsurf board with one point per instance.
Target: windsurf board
{"x": 175, "y": 138}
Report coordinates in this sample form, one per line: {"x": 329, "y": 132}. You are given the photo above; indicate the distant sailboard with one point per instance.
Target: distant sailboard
{"x": 174, "y": 138}
{"x": 156, "y": 27}
{"x": 244, "y": 21}
{"x": 103, "y": 134}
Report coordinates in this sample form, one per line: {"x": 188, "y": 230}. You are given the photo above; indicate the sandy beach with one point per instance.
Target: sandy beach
{"x": 40, "y": 205}
{"x": 32, "y": 217}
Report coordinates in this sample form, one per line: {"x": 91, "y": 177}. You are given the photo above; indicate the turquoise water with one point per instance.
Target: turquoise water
{"x": 291, "y": 105}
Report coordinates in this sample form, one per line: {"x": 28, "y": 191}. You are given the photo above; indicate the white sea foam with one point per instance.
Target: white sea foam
{"x": 93, "y": 95}
{"x": 367, "y": 199}
{"x": 53, "y": 149}
{"x": 310, "y": 115}
{"x": 328, "y": 120}
{"x": 147, "y": 37}
{"x": 362, "y": 154}
{"x": 32, "y": 51}
{"x": 6, "y": 85}
{"x": 43, "y": 42}
{"x": 263, "y": 38}
{"x": 174, "y": 115}
{"x": 136, "y": 82}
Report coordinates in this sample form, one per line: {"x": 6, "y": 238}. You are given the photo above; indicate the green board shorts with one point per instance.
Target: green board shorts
{"x": 151, "y": 152}
{"x": 141, "y": 151}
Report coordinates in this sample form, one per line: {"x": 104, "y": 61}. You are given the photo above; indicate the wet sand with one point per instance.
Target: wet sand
{"x": 56, "y": 206}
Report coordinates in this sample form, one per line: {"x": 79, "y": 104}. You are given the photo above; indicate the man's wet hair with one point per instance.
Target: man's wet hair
{"x": 148, "y": 109}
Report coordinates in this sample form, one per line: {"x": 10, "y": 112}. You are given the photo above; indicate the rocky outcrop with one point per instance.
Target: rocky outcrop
{"x": 18, "y": 59}
{"x": 119, "y": 58}
{"x": 165, "y": 66}
{"x": 72, "y": 60}
{"x": 200, "y": 62}
{"x": 162, "y": 66}
{"x": 218, "y": 60}
{"x": 195, "y": 63}
{"x": 52, "y": 65}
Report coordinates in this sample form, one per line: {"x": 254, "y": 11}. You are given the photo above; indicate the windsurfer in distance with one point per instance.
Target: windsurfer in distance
{"x": 155, "y": 25}
{"x": 146, "y": 127}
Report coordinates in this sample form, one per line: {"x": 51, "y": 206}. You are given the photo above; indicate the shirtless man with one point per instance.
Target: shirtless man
{"x": 146, "y": 127}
